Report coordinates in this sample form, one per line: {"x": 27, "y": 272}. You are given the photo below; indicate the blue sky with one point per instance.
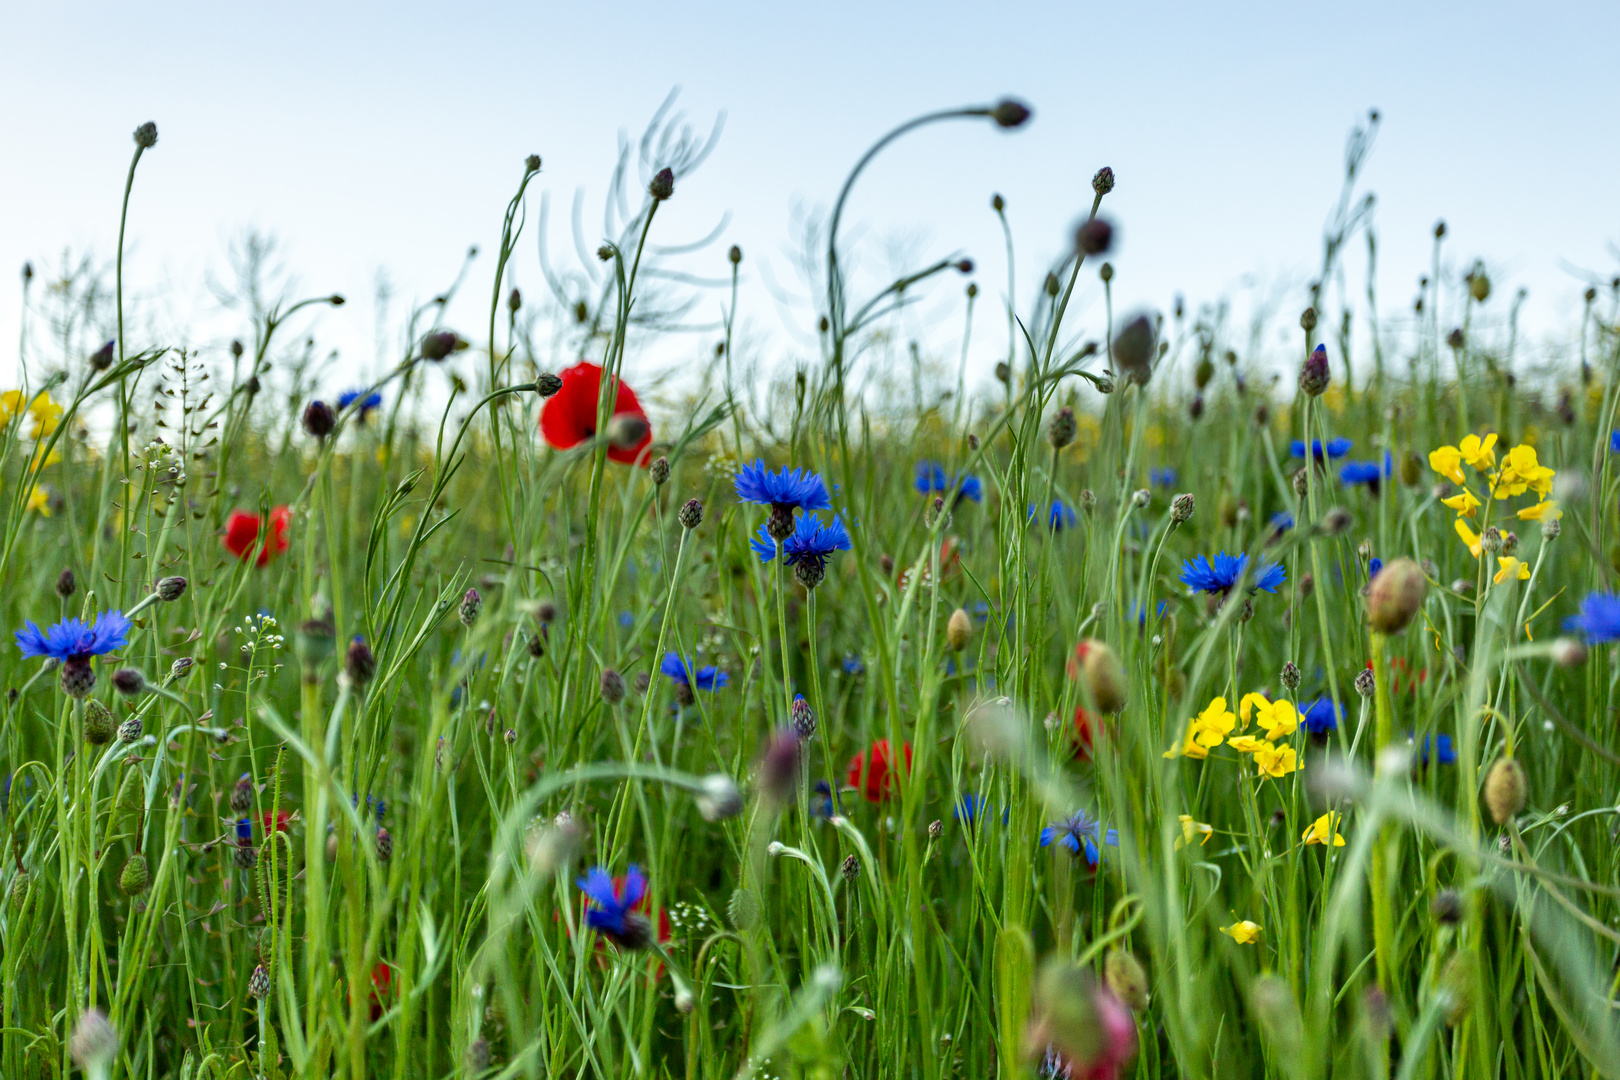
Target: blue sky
{"x": 390, "y": 136}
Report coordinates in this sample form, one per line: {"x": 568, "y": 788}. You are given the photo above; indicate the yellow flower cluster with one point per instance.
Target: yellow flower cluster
{"x": 47, "y": 417}
{"x": 1214, "y": 726}
{"x": 1519, "y": 472}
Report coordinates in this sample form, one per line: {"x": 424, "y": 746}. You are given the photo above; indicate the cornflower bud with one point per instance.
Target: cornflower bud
{"x": 1094, "y": 237}
{"x": 66, "y": 585}
{"x": 1290, "y": 677}
{"x": 1141, "y": 497}
{"x": 802, "y": 718}
{"x": 146, "y": 135}
{"x": 660, "y": 471}
{"x": 1307, "y": 319}
{"x": 359, "y": 663}
{"x": 1491, "y": 540}
{"x": 691, "y": 514}
{"x": 170, "y": 589}
{"x": 440, "y": 344}
{"x": 1447, "y": 907}
{"x": 1103, "y": 182}
{"x": 936, "y": 829}
{"x": 612, "y": 686}
{"x": 1335, "y": 521}
{"x": 1568, "y": 652}
{"x": 129, "y": 682}
{"x": 514, "y": 300}
{"x": 850, "y": 868}
{"x": 1088, "y": 500}
{"x": 1181, "y": 508}
{"x": 1365, "y": 682}
{"x": 319, "y": 419}
{"x": 259, "y": 983}
{"x": 1314, "y": 375}
{"x": 1062, "y": 428}
{"x": 663, "y": 184}
{"x": 471, "y": 604}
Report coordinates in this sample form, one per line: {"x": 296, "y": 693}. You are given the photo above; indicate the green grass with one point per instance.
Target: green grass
{"x": 807, "y": 937}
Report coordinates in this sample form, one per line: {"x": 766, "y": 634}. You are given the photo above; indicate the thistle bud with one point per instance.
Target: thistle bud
{"x": 663, "y": 184}
{"x": 1506, "y": 788}
{"x": 170, "y": 589}
{"x": 659, "y": 471}
{"x": 547, "y": 385}
{"x": 1125, "y": 977}
{"x": 66, "y": 585}
{"x": 359, "y": 663}
{"x": 133, "y": 877}
{"x": 612, "y": 686}
{"x": 319, "y": 420}
{"x": 958, "y": 630}
{"x": 1290, "y": 676}
{"x": 1395, "y": 596}
{"x": 1181, "y": 508}
{"x": 1098, "y": 668}
{"x": 1062, "y": 428}
{"x": 472, "y": 602}
{"x": 691, "y": 514}
{"x": 1314, "y": 375}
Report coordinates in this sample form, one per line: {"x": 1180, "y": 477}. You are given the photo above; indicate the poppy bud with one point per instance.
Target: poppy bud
{"x": 1098, "y": 667}
{"x": 1395, "y": 596}
{"x": 98, "y": 723}
{"x": 1278, "y": 1012}
{"x": 997, "y": 203}
{"x": 1062, "y": 428}
{"x": 626, "y": 430}
{"x": 779, "y": 766}
{"x": 958, "y": 630}
{"x": 313, "y": 642}
{"x": 663, "y": 184}
{"x": 964, "y": 266}
{"x": 66, "y": 585}
{"x": 547, "y": 385}
{"x": 1411, "y": 469}
{"x": 1505, "y": 789}
{"x": 1457, "y": 982}
{"x": 319, "y": 419}
{"x": 1126, "y": 978}
{"x": 1052, "y": 284}
{"x": 1439, "y": 230}
{"x": 133, "y": 877}
{"x": 514, "y": 300}
{"x": 1335, "y": 521}
{"x": 1009, "y": 113}
{"x": 734, "y": 255}
{"x": 1479, "y": 286}
{"x": 1003, "y": 371}
{"x": 743, "y": 909}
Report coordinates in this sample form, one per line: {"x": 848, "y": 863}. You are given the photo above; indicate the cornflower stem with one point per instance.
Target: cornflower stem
{"x": 1386, "y": 852}
{"x": 782, "y": 629}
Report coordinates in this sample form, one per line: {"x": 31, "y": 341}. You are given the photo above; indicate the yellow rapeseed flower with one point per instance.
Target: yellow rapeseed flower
{"x": 1469, "y": 537}
{"x": 1280, "y": 719}
{"x": 1447, "y": 461}
{"x": 1464, "y": 503}
{"x": 1511, "y": 567}
{"x": 1275, "y": 761}
{"x": 1206, "y": 731}
{"x": 47, "y": 414}
{"x": 1191, "y": 829}
{"x": 1249, "y": 703}
{"x": 39, "y": 452}
{"x": 1545, "y": 510}
{"x": 1190, "y": 746}
{"x": 39, "y": 499}
{"x": 1480, "y": 453}
{"x": 1246, "y": 744}
{"x": 1521, "y": 471}
{"x": 1243, "y": 932}
{"x": 1325, "y": 830}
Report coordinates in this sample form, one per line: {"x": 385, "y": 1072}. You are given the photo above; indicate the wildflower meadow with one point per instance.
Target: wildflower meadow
{"x": 1171, "y": 705}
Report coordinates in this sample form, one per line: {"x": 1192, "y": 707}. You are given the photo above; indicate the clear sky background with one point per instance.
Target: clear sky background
{"x": 390, "y": 136}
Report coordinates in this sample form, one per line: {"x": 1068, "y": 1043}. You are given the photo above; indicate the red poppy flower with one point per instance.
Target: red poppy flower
{"x": 278, "y": 817}
{"x": 870, "y": 771}
{"x": 1397, "y": 664}
{"x": 569, "y": 415}
{"x": 1082, "y": 734}
{"x": 382, "y": 987}
{"x": 242, "y": 535}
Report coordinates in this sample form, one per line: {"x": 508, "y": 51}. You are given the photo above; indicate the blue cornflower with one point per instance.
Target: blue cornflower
{"x": 1139, "y": 612}
{"x": 1599, "y": 619}
{"x": 822, "y": 804}
{"x": 1282, "y": 521}
{"x": 612, "y": 912}
{"x": 1060, "y": 516}
{"x": 853, "y": 665}
{"x": 1366, "y": 472}
{"x": 1444, "y": 754}
{"x": 969, "y": 807}
{"x": 1164, "y": 477}
{"x": 1202, "y": 574}
{"x": 74, "y": 639}
{"x": 930, "y": 477}
{"x": 1373, "y": 567}
{"x": 1320, "y": 717}
{"x": 1614, "y": 442}
{"x": 708, "y": 677}
{"x": 367, "y": 403}
{"x": 789, "y": 489}
{"x": 626, "y": 619}
{"x": 244, "y": 830}
{"x": 812, "y": 541}
{"x": 968, "y": 486}
{"x": 1336, "y": 448}
{"x": 1081, "y": 834}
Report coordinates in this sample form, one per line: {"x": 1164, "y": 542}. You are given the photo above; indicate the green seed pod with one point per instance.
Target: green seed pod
{"x": 1506, "y": 789}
